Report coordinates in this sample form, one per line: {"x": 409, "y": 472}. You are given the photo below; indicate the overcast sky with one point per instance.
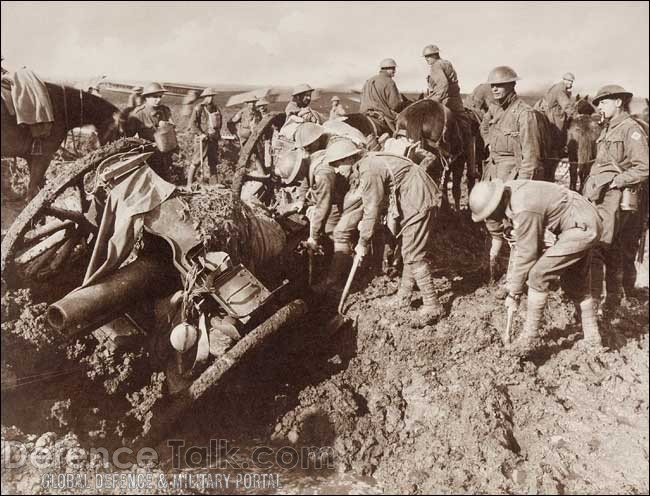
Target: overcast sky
{"x": 329, "y": 44}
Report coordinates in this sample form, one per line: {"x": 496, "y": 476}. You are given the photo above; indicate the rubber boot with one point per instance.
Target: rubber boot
{"x": 526, "y": 342}
{"x": 431, "y": 309}
{"x": 589, "y": 322}
{"x": 337, "y": 272}
{"x": 406, "y": 286}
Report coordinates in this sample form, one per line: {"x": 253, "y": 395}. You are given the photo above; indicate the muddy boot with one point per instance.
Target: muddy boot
{"x": 614, "y": 288}
{"x": 431, "y": 309}
{"x": 589, "y": 322}
{"x": 526, "y": 342}
{"x": 406, "y": 286}
{"x": 337, "y": 271}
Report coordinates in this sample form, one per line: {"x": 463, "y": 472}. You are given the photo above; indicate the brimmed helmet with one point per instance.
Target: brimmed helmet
{"x": 301, "y": 88}
{"x": 485, "y": 198}
{"x": 308, "y": 133}
{"x": 609, "y": 91}
{"x": 154, "y": 89}
{"x": 388, "y": 64}
{"x": 502, "y": 74}
{"x": 430, "y": 50}
{"x": 340, "y": 149}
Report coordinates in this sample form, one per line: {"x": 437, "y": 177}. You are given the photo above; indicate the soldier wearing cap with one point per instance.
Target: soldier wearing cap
{"x": 558, "y": 107}
{"x": 135, "y": 97}
{"x": 511, "y": 131}
{"x": 336, "y": 111}
{"x": 205, "y": 124}
{"x": 245, "y": 119}
{"x": 532, "y": 209}
{"x": 299, "y": 106}
{"x": 380, "y": 98}
{"x": 618, "y": 174}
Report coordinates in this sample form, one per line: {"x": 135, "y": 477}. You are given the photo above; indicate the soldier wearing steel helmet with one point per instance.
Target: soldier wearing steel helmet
{"x": 245, "y": 119}
{"x": 442, "y": 80}
{"x": 145, "y": 119}
{"x": 336, "y": 111}
{"x": 618, "y": 175}
{"x": 380, "y": 98}
{"x": 205, "y": 124}
{"x": 300, "y": 104}
{"x": 510, "y": 129}
{"x": 558, "y": 107}
{"x": 533, "y": 209}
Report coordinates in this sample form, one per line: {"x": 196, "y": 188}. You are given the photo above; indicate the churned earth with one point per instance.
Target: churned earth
{"x": 441, "y": 408}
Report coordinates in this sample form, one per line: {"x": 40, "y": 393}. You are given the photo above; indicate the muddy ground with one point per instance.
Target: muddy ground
{"x": 442, "y": 408}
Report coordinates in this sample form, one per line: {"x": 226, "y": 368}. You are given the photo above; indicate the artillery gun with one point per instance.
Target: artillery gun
{"x": 200, "y": 287}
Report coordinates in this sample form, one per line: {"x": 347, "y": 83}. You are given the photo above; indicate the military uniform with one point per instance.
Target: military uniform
{"x": 206, "y": 120}
{"x": 443, "y": 85}
{"x": 305, "y": 113}
{"x": 144, "y": 120}
{"x": 621, "y": 157}
{"x": 245, "y": 120}
{"x": 556, "y": 104}
{"x": 539, "y": 206}
{"x": 511, "y": 130}
{"x": 380, "y": 99}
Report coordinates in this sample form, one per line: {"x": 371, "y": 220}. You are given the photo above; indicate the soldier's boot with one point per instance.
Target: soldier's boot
{"x": 614, "y": 288}
{"x": 526, "y": 342}
{"x": 340, "y": 264}
{"x": 590, "y": 329}
{"x": 405, "y": 291}
{"x": 495, "y": 248}
{"x": 431, "y": 309}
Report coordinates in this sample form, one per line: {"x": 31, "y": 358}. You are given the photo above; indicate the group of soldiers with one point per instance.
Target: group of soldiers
{"x": 348, "y": 191}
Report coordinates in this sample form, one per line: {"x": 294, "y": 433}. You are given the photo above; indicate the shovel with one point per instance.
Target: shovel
{"x": 340, "y": 319}
{"x": 511, "y": 318}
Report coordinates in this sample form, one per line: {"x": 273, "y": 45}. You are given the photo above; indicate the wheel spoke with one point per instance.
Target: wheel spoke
{"x": 35, "y": 235}
{"x": 53, "y": 241}
{"x": 65, "y": 214}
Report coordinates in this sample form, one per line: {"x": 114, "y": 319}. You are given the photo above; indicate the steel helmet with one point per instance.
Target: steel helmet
{"x": 430, "y": 50}
{"x": 502, "y": 74}
{"x": 611, "y": 90}
{"x": 335, "y": 99}
{"x": 485, "y": 198}
{"x": 301, "y": 88}
{"x": 209, "y": 92}
{"x": 340, "y": 149}
{"x": 250, "y": 98}
{"x": 288, "y": 165}
{"x": 262, "y": 102}
{"x": 569, "y": 76}
{"x": 154, "y": 89}
{"x": 388, "y": 64}
{"x": 308, "y": 133}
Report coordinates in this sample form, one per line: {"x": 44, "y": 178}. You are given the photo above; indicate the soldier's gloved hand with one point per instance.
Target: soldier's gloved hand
{"x": 361, "y": 250}
{"x": 512, "y": 302}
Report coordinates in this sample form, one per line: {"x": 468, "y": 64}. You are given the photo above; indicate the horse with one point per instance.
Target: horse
{"x": 582, "y": 133}
{"x": 72, "y": 108}
{"x": 432, "y": 124}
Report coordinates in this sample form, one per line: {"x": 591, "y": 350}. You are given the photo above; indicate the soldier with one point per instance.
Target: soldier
{"x": 511, "y": 131}
{"x": 262, "y": 106}
{"x": 245, "y": 119}
{"x": 337, "y": 109}
{"x": 533, "y": 208}
{"x": 206, "y": 126}
{"x": 380, "y": 98}
{"x": 135, "y": 97}
{"x": 618, "y": 173}
{"x": 299, "y": 106}
{"x": 443, "y": 86}
{"x": 558, "y": 107}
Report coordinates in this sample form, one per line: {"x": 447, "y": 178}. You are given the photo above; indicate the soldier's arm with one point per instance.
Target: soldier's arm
{"x": 196, "y": 120}
{"x": 371, "y": 190}
{"x": 438, "y": 84}
{"x": 324, "y": 186}
{"x": 636, "y": 148}
{"x": 529, "y": 238}
{"x": 529, "y": 139}
{"x": 394, "y": 99}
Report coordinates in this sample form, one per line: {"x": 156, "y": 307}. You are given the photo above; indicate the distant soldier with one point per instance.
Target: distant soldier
{"x": 206, "y": 124}
{"x": 337, "y": 109}
{"x": 245, "y": 119}
{"x": 443, "y": 86}
{"x": 262, "y": 106}
{"x": 380, "y": 98}
{"x": 532, "y": 209}
{"x": 556, "y": 104}
{"x": 510, "y": 128}
{"x": 615, "y": 184}
{"x": 299, "y": 106}
{"x": 135, "y": 97}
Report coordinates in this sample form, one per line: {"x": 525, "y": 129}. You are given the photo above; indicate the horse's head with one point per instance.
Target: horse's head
{"x": 582, "y": 106}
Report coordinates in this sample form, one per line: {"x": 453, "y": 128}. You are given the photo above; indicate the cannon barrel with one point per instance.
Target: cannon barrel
{"x": 99, "y": 303}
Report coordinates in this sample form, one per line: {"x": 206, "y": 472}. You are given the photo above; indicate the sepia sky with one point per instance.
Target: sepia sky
{"x": 329, "y": 44}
